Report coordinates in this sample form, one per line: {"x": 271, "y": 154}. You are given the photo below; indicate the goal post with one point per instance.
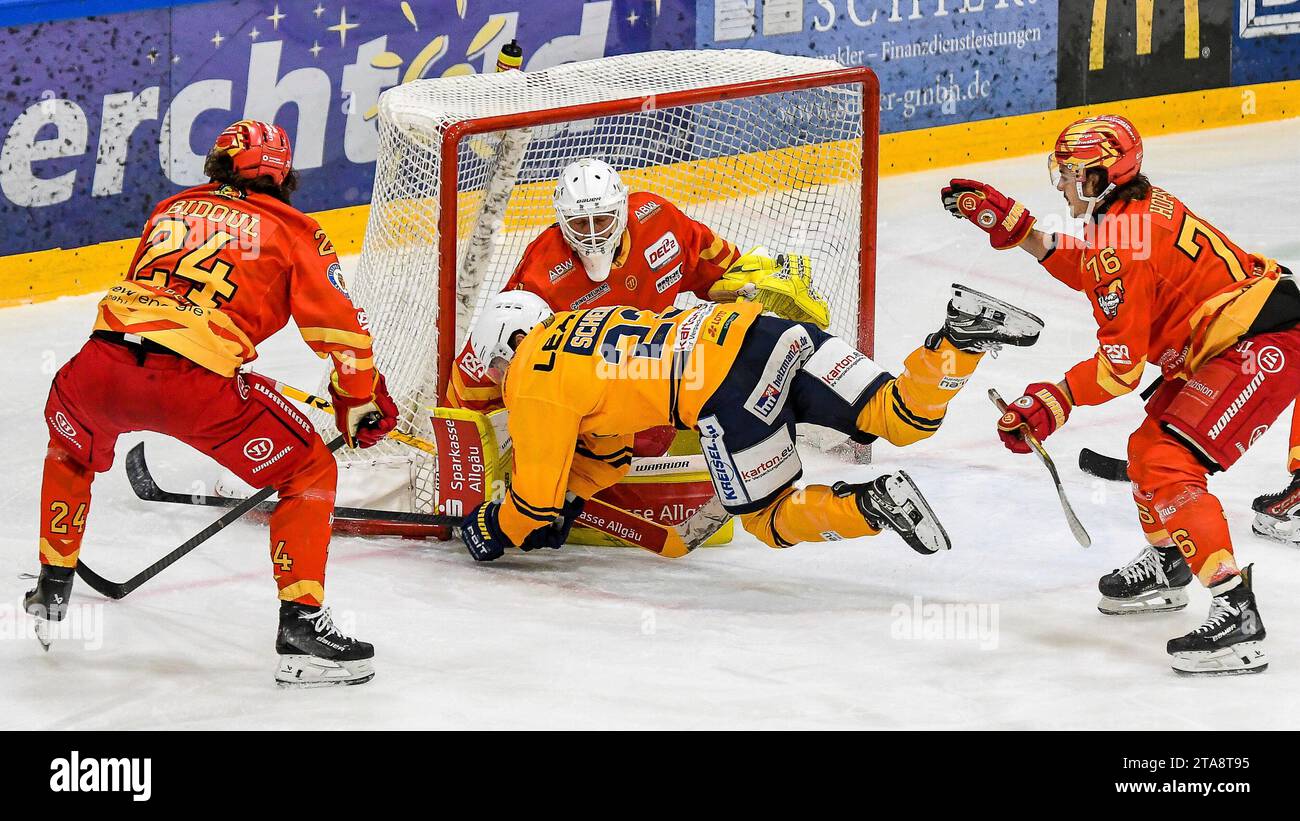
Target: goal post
{"x": 765, "y": 149}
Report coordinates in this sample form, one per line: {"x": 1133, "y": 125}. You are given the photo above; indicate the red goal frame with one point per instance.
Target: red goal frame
{"x": 449, "y": 172}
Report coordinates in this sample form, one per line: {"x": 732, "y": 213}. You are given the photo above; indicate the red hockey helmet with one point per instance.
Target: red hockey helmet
{"x": 258, "y": 149}
{"x": 1109, "y": 141}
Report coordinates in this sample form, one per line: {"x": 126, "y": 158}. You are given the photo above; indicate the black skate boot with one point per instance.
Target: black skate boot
{"x": 894, "y": 502}
{"x": 314, "y": 653}
{"x": 978, "y": 322}
{"x": 48, "y": 601}
{"x": 1277, "y": 515}
{"x": 1154, "y": 582}
{"x": 1231, "y": 641}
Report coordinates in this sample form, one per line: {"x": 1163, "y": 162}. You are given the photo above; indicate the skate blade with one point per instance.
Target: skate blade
{"x": 1167, "y": 600}
{"x": 43, "y": 634}
{"x": 304, "y": 671}
{"x": 924, "y": 533}
{"x": 1239, "y": 659}
{"x": 1285, "y": 532}
{"x": 1023, "y": 324}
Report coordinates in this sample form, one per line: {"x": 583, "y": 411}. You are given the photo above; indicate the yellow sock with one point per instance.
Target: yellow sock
{"x": 813, "y": 514}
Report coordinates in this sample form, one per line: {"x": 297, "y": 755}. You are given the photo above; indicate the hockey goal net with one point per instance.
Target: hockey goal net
{"x": 766, "y": 149}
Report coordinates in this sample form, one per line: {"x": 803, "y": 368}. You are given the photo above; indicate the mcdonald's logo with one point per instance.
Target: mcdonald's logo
{"x": 1145, "y": 16}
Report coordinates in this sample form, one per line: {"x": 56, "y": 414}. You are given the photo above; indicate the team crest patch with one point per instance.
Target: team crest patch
{"x": 1109, "y": 297}
{"x": 335, "y": 275}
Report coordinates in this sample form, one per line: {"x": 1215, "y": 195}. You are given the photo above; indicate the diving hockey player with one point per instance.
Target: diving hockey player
{"x": 609, "y": 247}
{"x": 1171, "y": 289}
{"x": 579, "y": 383}
{"x": 221, "y": 267}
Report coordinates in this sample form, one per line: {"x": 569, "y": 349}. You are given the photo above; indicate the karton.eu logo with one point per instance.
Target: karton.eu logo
{"x": 1269, "y": 18}
{"x": 127, "y": 775}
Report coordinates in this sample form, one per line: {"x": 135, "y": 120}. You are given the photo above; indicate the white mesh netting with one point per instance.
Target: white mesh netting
{"x": 759, "y": 163}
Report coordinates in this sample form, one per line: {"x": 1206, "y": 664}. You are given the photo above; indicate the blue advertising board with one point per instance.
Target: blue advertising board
{"x": 103, "y": 116}
{"x": 1266, "y": 43}
{"x": 939, "y": 61}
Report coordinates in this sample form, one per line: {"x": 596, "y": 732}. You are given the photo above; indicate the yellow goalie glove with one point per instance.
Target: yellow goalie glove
{"x": 783, "y": 284}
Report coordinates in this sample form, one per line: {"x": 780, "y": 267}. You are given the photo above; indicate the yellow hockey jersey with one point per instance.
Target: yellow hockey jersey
{"x": 583, "y": 383}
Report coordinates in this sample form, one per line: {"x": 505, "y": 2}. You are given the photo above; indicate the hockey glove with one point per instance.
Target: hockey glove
{"x": 783, "y": 284}
{"x": 555, "y": 534}
{"x": 363, "y": 422}
{"x": 1043, "y": 408}
{"x": 481, "y": 532}
{"x": 1006, "y": 221}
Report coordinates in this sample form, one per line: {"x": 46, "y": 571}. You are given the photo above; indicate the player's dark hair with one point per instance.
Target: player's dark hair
{"x": 1138, "y": 188}
{"x": 219, "y": 167}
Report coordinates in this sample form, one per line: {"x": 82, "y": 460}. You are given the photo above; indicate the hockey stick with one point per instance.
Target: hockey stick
{"x": 1102, "y": 466}
{"x": 1076, "y": 527}
{"x": 147, "y": 488}
{"x": 1109, "y": 467}
{"x": 664, "y": 540}
{"x": 322, "y": 404}
{"x": 117, "y": 590}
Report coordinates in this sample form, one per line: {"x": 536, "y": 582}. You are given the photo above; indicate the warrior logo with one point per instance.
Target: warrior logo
{"x": 1271, "y": 360}
{"x": 64, "y": 427}
{"x": 258, "y": 449}
{"x": 1109, "y": 297}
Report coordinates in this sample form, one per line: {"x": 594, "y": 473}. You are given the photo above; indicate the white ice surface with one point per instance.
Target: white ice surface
{"x": 741, "y": 636}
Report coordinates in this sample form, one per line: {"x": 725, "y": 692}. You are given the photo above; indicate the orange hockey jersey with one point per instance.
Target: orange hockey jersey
{"x": 1166, "y": 287}
{"x": 583, "y": 383}
{"x": 218, "y": 271}
{"x": 664, "y": 253}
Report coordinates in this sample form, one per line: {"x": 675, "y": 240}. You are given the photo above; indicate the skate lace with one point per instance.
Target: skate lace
{"x": 1220, "y": 611}
{"x": 1146, "y": 565}
{"x": 323, "y": 622}
{"x": 989, "y": 346}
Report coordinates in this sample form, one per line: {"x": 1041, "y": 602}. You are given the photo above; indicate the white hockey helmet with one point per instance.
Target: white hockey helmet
{"x": 591, "y": 203}
{"x": 502, "y": 317}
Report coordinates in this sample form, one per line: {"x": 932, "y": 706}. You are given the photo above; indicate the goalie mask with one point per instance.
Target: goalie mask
{"x": 591, "y": 203}
{"x": 502, "y": 317}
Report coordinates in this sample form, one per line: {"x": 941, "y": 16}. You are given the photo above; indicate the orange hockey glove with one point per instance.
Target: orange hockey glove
{"x": 364, "y": 420}
{"x": 1043, "y": 408}
{"x": 1006, "y": 221}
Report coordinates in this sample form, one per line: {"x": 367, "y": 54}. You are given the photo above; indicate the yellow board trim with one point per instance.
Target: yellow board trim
{"x": 43, "y": 275}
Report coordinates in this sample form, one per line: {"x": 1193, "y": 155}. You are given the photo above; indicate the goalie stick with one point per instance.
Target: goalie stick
{"x": 1076, "y": 527}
